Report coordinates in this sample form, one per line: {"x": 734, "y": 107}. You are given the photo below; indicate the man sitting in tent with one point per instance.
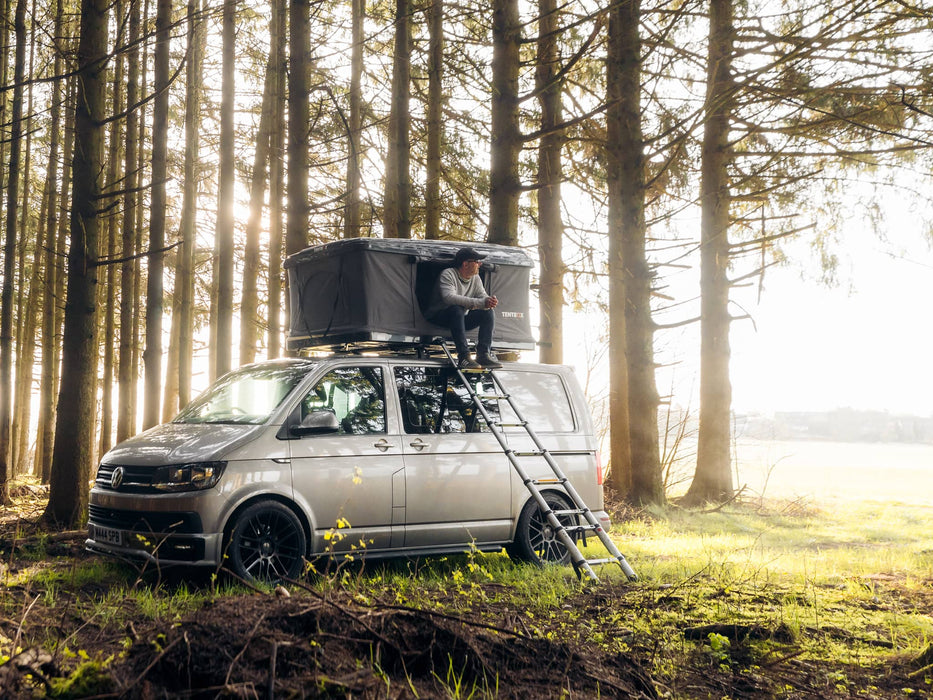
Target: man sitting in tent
{"x": 460, "y": 303}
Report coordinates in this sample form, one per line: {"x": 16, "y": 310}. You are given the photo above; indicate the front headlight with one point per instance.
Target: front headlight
{"x": 188, "y": 477}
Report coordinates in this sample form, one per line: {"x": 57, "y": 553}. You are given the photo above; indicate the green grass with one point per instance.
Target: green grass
{"x": 835, "y": 587}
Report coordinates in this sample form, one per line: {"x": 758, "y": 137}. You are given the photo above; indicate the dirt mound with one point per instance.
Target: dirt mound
{"x": 251, "y": 646}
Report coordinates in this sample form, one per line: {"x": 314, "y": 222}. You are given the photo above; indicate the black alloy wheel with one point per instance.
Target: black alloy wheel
{"x": 267, "y": 543}
{"x": 536, "y": 539}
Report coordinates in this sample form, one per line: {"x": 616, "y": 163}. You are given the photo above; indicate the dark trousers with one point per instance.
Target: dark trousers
{"x": 459, "y": 321}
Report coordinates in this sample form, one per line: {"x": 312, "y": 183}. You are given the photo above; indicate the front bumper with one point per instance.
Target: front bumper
{"x": 161, "y": 537}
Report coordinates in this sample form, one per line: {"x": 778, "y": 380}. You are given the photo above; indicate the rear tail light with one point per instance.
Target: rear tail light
{"x": 599, "y": 470}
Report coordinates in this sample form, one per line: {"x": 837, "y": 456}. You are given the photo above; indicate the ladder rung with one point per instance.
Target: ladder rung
{"x": 581, "y": 528}
{"x": 521, "y": 424}
{"x": 609, "y": 560}
{"x": 575, "y": 511}
{"x": 492, "y": 396}
{"x": 533, "y": 453}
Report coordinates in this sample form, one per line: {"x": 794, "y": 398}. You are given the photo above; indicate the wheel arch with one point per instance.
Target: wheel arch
{"x": 531, "y": 499}
{"x": 278, "y": 498}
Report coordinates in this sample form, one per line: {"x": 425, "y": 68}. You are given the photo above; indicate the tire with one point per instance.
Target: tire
{"x": 267, "y": 543}
{"x": 535, "y": 541}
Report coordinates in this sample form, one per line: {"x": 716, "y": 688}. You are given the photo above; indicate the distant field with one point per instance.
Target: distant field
{"x": 837, "y": 471}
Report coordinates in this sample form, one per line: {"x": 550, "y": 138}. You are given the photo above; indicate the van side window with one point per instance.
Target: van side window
{"x": 434, "y": 401}
{"x": 356, "y": 395}
{"x": 542, "y": 399}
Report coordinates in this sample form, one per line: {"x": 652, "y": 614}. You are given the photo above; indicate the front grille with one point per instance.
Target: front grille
{"x": 135, "y": 479}
{"x": 143, "y": 522}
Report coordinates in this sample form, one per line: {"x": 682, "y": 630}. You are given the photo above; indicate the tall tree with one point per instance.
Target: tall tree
{"x": 114, "y": 183}
{"x": 628, "y": 256}
{"x": 713, "y": 478}
{"x": 9, "y": 252}
{"x": 224, "y": 232}
{"x": 397, "y": 206}
{"x": 352, "y": 217}
{"x": 276, "y": 179}
{"x": 74, "y": 448}
{"x": 152, "y": 357}
{"x": 250, "y": 322}
{"x": 505, "y": 137}
{"x": 432, "y": 186}
{"x": 178, "y": 382}
{"x": 43, "y": 453}
{"x": 299, "y": 62}
{"x": 126, "y": 368}
{"x": 549, "y": 89}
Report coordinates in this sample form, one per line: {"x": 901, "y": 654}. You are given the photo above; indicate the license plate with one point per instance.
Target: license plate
{"x": 108, "y": 535}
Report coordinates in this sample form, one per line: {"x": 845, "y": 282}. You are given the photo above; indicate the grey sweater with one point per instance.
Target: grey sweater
{"x": 453, "y": 290}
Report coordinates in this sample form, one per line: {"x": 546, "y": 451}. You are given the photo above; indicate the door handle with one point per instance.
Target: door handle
{"x": 382, "y": 444}
{"x": 419, "y": 444}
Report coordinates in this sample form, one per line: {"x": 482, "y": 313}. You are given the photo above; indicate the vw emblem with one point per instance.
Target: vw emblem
{"x": 116, "y": 478}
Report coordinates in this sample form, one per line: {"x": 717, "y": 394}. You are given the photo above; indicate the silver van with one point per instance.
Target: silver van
{"x": 367, "y": 456}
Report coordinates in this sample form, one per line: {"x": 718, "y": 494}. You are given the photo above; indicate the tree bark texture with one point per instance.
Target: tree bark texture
{"x": 352, "y": 216}
{"x": 152, "y": 357}
{"x": 647, "y": 483}
{"x": 712, "y": 481}
{"x": 549, "y": 89}
{"x": 506, "y": 139}
{"x": 223, "y": 268}
{"x": 73, "y": 452}
{"x": 126, "y": 370}
{"x": 397, "y": 205}
{"x": 9, "y": 254}
{"x": 432, "y": 187}
{"x": 178, "y": 372}
{"x": 299, "y": 57}
{"x": 250, "y": 322}
{"x": 276, "y": 180}
{"x": 44, "y": 436}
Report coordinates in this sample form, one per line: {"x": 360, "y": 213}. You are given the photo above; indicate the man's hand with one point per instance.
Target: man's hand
{"x": 491, "y": 302}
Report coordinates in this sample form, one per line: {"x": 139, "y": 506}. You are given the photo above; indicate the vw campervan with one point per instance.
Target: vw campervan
{"x": 371, "y": 456}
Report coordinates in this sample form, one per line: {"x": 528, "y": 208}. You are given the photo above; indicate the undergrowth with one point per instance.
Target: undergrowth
{"x": 731, "y": 596}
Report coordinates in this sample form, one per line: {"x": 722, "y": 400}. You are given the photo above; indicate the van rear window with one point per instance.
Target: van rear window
{"x": 541, "y": 398}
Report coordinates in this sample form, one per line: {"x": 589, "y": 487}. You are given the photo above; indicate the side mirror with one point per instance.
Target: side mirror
{"x": 319, "y": 421}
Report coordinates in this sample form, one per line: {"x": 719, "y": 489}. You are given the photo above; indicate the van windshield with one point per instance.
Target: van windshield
{"x": 247, "y": 396}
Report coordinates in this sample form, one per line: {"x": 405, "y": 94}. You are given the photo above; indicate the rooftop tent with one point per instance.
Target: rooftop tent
{"x": 372, "y": 291}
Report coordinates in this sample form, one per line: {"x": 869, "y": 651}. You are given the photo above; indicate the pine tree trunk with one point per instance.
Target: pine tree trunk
{"x": 152, "y": 357}
{"x": 114, "y": 182}
{"x": 397, "y": 206}
{"x": 43, "y": 452}
{"x": 143, "y": 156}
{"x": 619, "y": 478}
{"x": 352, "y": 218}
{"x": 183, "y": 300}
{"x": 299, "y": 58}
{"x": 432, "y": 187}
{"x": 250, "y": 323}
{"x": 72, "y": 457}
{"x": 28, "y": 285}
{"x": 224, "y": 232}
{"x": 9, "y": 254}
{"x": 506, "y": 138}
{"x": 549, "y": 89}
{"x": 126, "y": 370}
{"x": 276, "y": 180}
{"x": 712, "y": 481}
{"x": 647, "y": 484}
{"x": 61, "y": 253}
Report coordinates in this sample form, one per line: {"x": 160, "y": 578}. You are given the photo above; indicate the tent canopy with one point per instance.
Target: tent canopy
{"x": 373, "y": 291}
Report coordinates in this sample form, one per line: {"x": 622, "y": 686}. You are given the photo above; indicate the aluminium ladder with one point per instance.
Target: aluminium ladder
{"x": 564, "y": 533}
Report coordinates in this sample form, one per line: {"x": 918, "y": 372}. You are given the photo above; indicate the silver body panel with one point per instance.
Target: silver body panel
{"x": 386, "y": 493}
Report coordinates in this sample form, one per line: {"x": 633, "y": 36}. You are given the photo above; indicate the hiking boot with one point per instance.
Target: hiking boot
{"x": 488, "y": 360}
{"x": 467, "y": 363}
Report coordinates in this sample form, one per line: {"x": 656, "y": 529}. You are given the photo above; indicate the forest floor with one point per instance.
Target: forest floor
{"x": 753, "y": 600}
